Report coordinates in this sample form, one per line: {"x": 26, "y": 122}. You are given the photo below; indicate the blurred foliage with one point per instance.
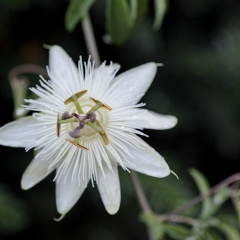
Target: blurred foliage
{"x": 160, "y": 11}
{"x": 152, "y": 221}
{"x": 13, "y": 214}
{"x": 206, "y": 226}
{"x": 121, "y": 16}
{"x": 76, "y": 11}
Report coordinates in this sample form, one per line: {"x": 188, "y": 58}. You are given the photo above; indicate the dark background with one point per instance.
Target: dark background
{"x": 199, "y": 44}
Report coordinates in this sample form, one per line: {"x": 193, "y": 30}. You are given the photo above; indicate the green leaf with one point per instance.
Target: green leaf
{"x": 230, "y": 232}
{"x": 151, "y": 220}
{"x": 142, "y": 9}
{"x": 117, "y": 20}
{"x": 133, "y": 11}
{"x": 13, "y": 216}
{"x": 19, "y": 88}
{"x": 75, "y": 12}
{"x": 201, "y": 230}
{"x": 219, "y": 198}
{"x": 211, "y": 235}
{"x": 236, "y": 202}
{"x": 177, "y": 232}
{"x": 203, "y": 187}
{"x": 160, "y": 11}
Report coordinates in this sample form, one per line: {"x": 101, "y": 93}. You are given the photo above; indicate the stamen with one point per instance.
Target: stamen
{"x": 75, "y": 143}
{"x": 77, "y": 94}
{"x": 104, "y": 136}
{"x": 95, "y": 127}
{"x": 99, "y": 103}
{"x": 67, "y": 120}
{"x": 58, "y": 127}
{"x": 74, "y": 99}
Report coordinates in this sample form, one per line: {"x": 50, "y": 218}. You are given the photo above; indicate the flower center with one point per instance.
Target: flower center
{"x": 82, "y": 123}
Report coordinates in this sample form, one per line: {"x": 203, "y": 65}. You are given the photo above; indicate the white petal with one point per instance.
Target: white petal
{"x": 68, "y": 191}
{"x": 109, "y": 188}
{"x": 152, "y": 120}
{"x": 146, "y": 160}
{"x": 34, "y": 173}
{"x": 64, "y": 73}
{"x": 16, "y": 133}
{"x": 132, "y": 84}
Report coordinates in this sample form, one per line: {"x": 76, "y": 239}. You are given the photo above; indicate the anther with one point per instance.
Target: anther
{"x": 58, "y": 127}
{"x": 77, "y": 95}
{"x": 75, "y": 143}
{"x": 74, "y": 99}
{"x": 104, "y": 136}
{"x": 98, "y": 105}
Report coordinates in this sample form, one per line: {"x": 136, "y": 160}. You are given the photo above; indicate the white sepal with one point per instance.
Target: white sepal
{"x": 36, "y": 171}
{"x": 109, "y": 188}
{"x": 68, "y": 191}
{"x": 18, "y": 133}
{"x": 145, "y": 159}
{"x": 131, "y": 85}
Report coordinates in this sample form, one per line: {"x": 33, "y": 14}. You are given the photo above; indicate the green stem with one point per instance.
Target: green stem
{"x": 90, "y": 39}
{"x": 67, "y": 121}
{"x": 95, "y": 108}
{"x": 95, "y": 127}
{"x": 78, "y": 107}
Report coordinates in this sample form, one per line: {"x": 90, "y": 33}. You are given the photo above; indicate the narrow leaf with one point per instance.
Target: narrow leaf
{"x": 203, "y": 187}
{"x": 230, "y": 232}
{"x": 219, "y": 198}
{"x": 19, "y": 91}
{"x": 160, "y": 11}
{"x": 151, "y": 220}
{"x": 133, "y": 11}
{"x": 211, "y": 235}
{"x": 177, "y": 232}
{"x": 236, "y": 202}
{"x": 142, "y": 9}
{"x": 117, "y": 20}
{"x": 75, "y": 12}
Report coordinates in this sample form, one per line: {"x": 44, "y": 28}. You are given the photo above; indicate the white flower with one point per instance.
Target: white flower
{"x": 72, "y": 142}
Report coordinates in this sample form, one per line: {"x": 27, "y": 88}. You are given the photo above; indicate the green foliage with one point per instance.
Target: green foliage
{"x": 13, "y": 217}
{"x": 19, "y": 88}
{"x": 177, "y": 232}
{"x": 167, "y": 193}
{"x": 121, "y": 16}
{"x": 152, "y": 221}
{"x": 206, "y": 226}
{"x": 203, "y": 187}
{"x": 142, "y": 9}
{"x": 160, "y": 11}
{"x": 211, "y": 235}
{"x": 236, "y": 202}
{"x": 230, "y": 232}
{"x": 117, "y": 20}
{"x": 76, "y": 11}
